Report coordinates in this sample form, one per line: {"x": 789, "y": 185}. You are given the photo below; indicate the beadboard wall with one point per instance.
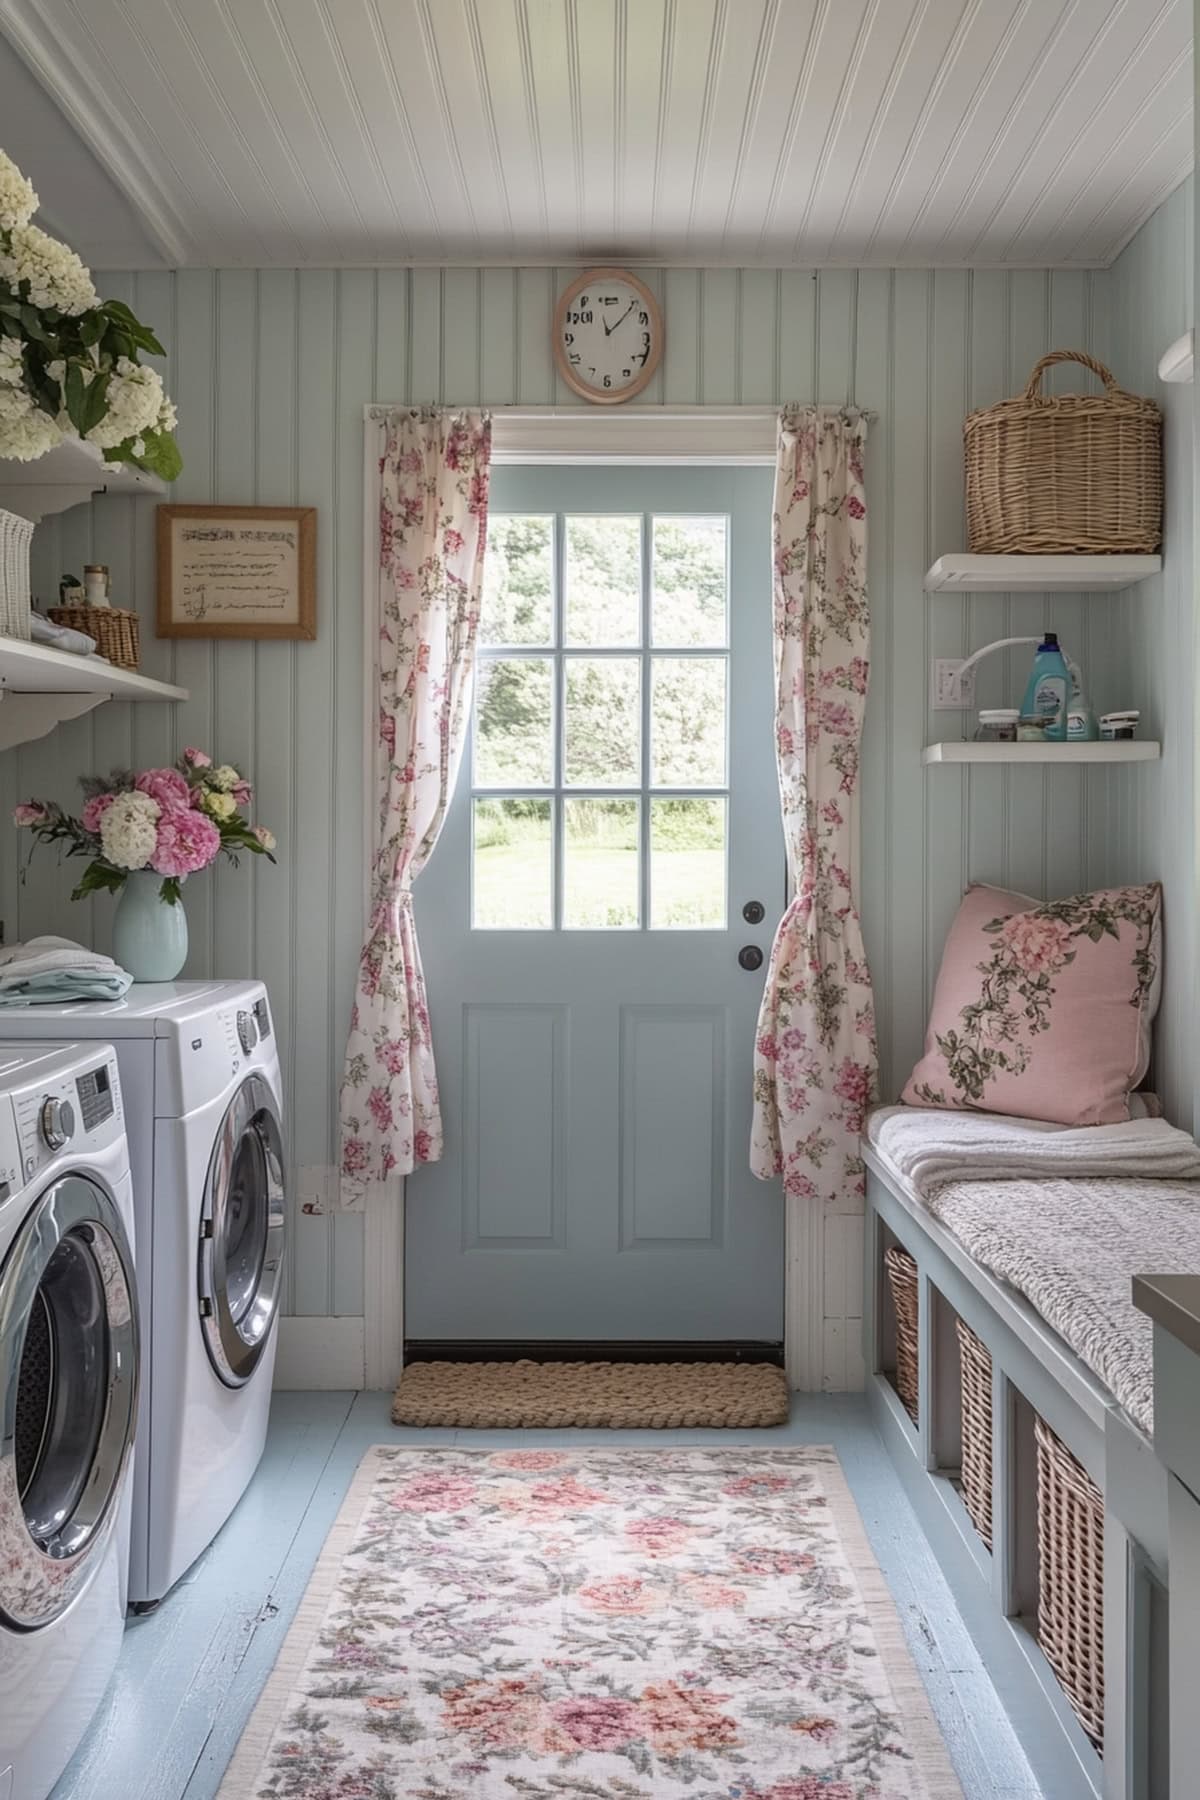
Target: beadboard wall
{"x": 271, "y": 369}
{"x": 1143, "y": 819}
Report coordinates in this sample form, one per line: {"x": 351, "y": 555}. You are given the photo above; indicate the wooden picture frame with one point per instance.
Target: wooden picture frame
{"x": 261, "y": 564}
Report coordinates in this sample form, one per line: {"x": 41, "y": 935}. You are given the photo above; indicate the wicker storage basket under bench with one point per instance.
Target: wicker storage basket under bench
{"x": 902, "y": 1279}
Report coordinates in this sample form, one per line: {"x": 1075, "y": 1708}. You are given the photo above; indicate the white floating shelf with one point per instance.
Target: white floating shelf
{"x": 962, "y": 574}
{"x": 70, "y": 473}
{"x": 40, "y": 687}
{"x": 1133, "y": 751}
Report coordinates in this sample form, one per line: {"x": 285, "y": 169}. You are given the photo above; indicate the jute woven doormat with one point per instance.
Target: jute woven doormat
{"x": 556, "y": 1394}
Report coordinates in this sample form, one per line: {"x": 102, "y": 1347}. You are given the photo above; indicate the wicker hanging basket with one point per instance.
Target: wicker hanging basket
{"x": 114, "y": 628}
{"x": 1073, "y": 474}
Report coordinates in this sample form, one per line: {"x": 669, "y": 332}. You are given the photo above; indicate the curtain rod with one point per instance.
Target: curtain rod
{"x": 380, "y": 410}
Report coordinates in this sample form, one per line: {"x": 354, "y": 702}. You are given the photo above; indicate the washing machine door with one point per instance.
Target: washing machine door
{"x": 242, "y": 1225}
{"x": 68, "y": 1396}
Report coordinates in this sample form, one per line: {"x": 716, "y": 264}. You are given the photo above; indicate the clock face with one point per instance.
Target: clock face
{"x": 608, "y": 335}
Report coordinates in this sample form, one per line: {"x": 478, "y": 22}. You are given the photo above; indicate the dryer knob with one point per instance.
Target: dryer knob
{"x": 247, "y": 1031}
{"x": 57, "y": 1122}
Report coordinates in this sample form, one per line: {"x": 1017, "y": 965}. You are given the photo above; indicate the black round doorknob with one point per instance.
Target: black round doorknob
{"x": 750, "y": 956}
{"x": 754, "y": 912}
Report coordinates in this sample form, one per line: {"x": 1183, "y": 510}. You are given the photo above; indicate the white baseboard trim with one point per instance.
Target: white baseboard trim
{"x": 320, "y": 1353}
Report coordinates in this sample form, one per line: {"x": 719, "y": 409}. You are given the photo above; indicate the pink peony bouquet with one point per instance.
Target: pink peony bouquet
{"x": 171, "y": 822}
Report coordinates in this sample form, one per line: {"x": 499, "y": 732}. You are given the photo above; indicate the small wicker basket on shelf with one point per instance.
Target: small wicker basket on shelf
{"x": 1071, "y": 1578}
{"x": 114, "y": 628}
{"x": 1073, "y": 474}
{"x": 902, "y": 1278}
{"x": 976, "y": 1388}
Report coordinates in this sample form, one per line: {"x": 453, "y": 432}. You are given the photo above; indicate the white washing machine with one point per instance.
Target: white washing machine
{"x": 68, "y": 1399}
{"x": 204, "y": 1118}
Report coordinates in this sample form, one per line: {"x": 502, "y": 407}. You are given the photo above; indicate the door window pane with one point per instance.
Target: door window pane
{"x": 603, "y": 579}
{"x": 514, "y": 709}
{"x": 687, "y": 864}
{"x": 687, "y": 721}
{"x": 600, "y": 863}
{"x": 513, "y": 885}
{"x": 518, "y": 580}
{"x": 689, "y": 603}
{"x": 603, "y": 722}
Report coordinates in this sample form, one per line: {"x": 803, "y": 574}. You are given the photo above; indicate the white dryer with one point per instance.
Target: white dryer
{"x": 68, "y": 1400}
{"x": 204, "y": 1117}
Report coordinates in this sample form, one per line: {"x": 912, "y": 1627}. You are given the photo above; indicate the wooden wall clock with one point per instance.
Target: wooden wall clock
{"x": 608, "y": 335}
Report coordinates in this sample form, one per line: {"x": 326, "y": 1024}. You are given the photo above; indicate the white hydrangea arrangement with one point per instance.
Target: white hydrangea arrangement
{"x": 69, "y": 362}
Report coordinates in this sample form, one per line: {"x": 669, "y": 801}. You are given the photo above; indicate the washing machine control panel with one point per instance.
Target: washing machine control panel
{"x": 80, "y": 1111}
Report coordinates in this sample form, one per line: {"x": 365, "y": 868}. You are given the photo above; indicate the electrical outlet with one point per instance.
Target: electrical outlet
{"x": 950, "y": 691}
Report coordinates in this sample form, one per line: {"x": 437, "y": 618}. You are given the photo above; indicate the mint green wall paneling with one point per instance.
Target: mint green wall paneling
{"x": 316, "y": 841}
{"x": 1066, "y": 796}
{"x": 907, "y": 671}
{"x": 498, "y": 336}
{"x": 1028, "y": 338}
{"x": 1145, "y": 656}
{"x": 355, "y": 378}
{"x": 275, "y": 769}
{"x": 461, "y": 322}
{"x": 758, "y": 343}
{"x": 987, "y": 614}
{"x": 153, "y": 728}
{"x": 685, "y": 343}
{"x": 873, "y": 334}
{"x": 392, "y": 299}
{"x": 836, "y": 290}
{"x": 537, "y": 384}
{"x": 235, "y": 718}
{"x": 426, "y": 375}
{"x": 719, "y": 337}
{"x": 797, "y": 334}
{"x": 946, "y": 632}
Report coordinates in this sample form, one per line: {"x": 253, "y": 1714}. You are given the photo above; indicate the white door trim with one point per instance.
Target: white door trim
{"x": 723, "y": 435}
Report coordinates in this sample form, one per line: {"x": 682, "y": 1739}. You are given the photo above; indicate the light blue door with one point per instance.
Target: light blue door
{"x": 582, "y": 918}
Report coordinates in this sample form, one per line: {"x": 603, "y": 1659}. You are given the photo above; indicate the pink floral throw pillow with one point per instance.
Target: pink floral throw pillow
{"x": 1043, "y": 1010}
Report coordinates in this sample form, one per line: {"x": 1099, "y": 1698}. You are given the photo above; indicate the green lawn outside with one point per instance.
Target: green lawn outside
{"x": 512, "y": 886}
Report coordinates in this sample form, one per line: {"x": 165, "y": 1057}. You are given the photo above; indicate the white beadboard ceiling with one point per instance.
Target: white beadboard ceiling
{"x": 774, "y": 132}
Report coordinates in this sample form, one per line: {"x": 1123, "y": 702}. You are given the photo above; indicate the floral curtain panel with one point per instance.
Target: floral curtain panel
{"x": 815, "y": 1058}
{"x": 432, "y": 530}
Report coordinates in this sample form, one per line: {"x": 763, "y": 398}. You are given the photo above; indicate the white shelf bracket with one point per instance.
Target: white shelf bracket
{"x": 26, "y": 717}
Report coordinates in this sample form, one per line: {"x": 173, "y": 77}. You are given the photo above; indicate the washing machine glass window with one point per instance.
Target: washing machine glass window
{"x": 242, "y": 1226}
{"x": 68, "y": 1400}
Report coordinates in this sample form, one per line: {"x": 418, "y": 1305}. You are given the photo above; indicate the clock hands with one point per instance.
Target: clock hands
{"x": 609, "y": 329}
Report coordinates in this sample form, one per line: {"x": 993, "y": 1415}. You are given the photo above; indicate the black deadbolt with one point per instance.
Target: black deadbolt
{"x": 750, "y": 956}
{"x": 754, "y": 912}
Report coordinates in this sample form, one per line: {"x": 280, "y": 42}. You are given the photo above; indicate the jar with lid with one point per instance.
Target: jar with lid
{"x": 997, "y": 725}
{"x": 95, "y": 584}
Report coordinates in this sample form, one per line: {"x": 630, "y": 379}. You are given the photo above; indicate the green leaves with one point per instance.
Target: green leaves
{"x": 131, "y": 327}
{"x": 99, "y": 877}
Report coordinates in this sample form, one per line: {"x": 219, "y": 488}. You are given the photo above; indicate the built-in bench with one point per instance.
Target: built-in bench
{"x": 1033, "y": 1373}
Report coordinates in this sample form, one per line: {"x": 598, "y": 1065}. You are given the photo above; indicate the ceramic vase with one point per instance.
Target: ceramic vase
{"x": 150, "y": 937}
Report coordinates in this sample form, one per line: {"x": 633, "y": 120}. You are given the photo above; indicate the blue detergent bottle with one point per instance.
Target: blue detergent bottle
{"x": 1049, "y": 690}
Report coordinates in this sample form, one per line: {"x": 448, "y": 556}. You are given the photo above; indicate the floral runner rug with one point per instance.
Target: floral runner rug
{"x": 594, "y": 1624}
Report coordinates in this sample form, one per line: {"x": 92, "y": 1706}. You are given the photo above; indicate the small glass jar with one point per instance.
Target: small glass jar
{"x": 95, "y": 584}
{"x": 1032, "y": 728}
{"x": 997, "y": 725}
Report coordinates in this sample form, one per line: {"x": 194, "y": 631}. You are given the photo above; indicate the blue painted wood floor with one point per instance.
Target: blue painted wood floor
{"x": 190, "y": 1673}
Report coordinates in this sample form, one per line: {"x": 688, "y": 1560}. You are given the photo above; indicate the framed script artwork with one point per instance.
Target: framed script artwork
{"x": 237, "y": 571}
